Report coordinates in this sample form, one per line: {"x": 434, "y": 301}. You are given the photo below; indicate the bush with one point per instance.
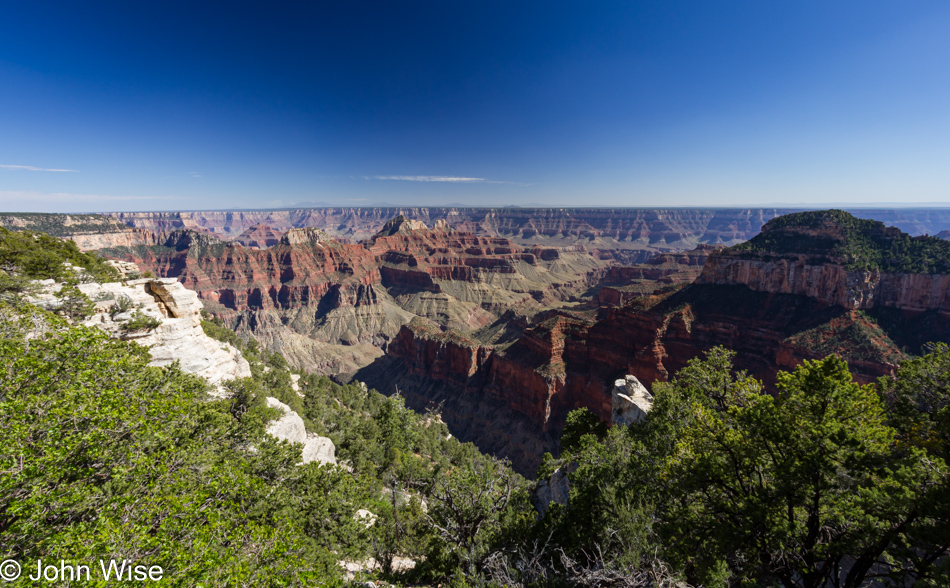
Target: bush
{"x": 140, "y": 322}
{"x": 122, "y": 304}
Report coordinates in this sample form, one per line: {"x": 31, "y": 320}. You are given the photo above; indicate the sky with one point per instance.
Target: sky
{"x": 108, "y": 106}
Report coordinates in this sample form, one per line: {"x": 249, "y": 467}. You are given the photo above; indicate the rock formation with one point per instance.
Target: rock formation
{"x": 556, "y": 489}
{"x": 178, "y": 336}
{"x": 332, "y": 306}
{"x": 837, "y": 259}
{"x": 630, "y": 401}
{"x": 831, "y": 283}
{"x": 259, "y": 237}
{"x": 564, "y": 360}
{"x": 661, "y": 272}
{"x": 657, "y": 229}
{"x": 508, "y": 320}
{"x": 125, "y": 268}
{"x": 290, "y": 427}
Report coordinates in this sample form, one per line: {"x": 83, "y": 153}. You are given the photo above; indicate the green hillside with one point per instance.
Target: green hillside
{"x": 839, "y": 237}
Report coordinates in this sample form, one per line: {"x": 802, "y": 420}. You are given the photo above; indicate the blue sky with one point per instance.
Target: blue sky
{"x": 176, "y": 106}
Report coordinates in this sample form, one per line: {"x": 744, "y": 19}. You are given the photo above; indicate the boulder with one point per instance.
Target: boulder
{"x": 125, "y": 268}
{"x": 290, "y": 427}
{"x": 317, "y": 448}
{"x": 180, "y": 301}
{"x": 630, "y": 401}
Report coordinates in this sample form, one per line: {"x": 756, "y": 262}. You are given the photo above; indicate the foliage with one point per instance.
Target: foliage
{"x": 860, "y": 244}
{"x": 37, "y": 256}
{"x": 581, "y": 422}
{"x": 466, "y": 512}
{"x": 61, "y": 225}
{"x": 106, "y": 456}
{"x": 140, "y": 321}
{"x": 73, "y": 304}
{"x": 826, "y": 483}
{"x": 404, "y": 458}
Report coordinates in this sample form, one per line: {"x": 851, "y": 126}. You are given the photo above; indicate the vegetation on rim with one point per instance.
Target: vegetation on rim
{"x": 836, "y": 236}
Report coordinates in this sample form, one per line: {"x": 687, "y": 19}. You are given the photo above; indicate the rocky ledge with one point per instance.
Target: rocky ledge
{"x": 162, "y": 315}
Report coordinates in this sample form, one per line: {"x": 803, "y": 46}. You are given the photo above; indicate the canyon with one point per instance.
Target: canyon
{"x": 503, "y": 321}
{"x": 623, "y": 228}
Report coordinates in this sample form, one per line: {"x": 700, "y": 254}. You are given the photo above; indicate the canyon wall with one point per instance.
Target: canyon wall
{"x": 312, "y": 286}
{"x": 774, "y": 307}
{"x": 832, "y": 283}
{"x": 682, "y": 227}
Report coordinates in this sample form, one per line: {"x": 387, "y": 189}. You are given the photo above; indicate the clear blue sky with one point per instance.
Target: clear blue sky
{"x": 201, "y": 105}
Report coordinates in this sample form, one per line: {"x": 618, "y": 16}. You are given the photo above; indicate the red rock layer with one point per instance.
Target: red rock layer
{"x": 566, "y": 362}
{"x": 832, "y": 283}
{"x": 307, "y": 267}
{"x": 621, "y": 284}
{"x": 259, "y": 237}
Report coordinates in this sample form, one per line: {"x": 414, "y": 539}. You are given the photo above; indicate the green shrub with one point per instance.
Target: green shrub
{"x": 140, "y": 322}
{"x": 122, "y": 304}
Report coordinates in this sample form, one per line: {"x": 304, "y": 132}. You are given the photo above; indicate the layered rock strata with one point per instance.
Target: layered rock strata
{"x": 832, "y": 283}
{"x": 681, "y": 228}
{"x": 664, "y": 271}
{"x": 310, "y": 286}
{"x": 566, "y": 360}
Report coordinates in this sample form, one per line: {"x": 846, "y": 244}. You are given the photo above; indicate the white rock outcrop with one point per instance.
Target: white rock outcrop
{"x": 630, "y": 401}
{"x": 125, "y": 268}
{"x": 178, "y": 336}
{"x": 290, "y": 427}
{"x": 555, "y": 489}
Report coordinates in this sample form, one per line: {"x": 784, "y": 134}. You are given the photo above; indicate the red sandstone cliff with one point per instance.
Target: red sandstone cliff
{"x": 259, "y": 237}
{"x": 832, "y": 283}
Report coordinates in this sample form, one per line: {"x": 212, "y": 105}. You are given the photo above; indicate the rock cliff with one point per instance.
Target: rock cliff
{"x": 837, "y": 259}
{"x": 624, "y": 227}
{"x": 621, "y": 284}
{"x": 773, "y": 319}
{"x": 259, "y": 237}
{"x": 177, "y": 338}
{"x": 832, "y": 283}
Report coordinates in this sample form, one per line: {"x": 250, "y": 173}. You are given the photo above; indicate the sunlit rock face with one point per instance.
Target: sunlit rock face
{"x": 630, "y": 401}
{"x": 290, "y": 427}
{"x": 332, "y": 306}
{"x": 178, "y": 337}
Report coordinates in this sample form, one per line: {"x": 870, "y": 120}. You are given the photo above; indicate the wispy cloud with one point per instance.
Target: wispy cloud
{"x": 195, "y": 174}
{"x": 32, "y": 168}
{"x": 450, "y": 179}
{"x": 426, "y": 178}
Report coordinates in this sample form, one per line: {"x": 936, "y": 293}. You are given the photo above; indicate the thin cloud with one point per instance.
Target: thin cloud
{"x": 195, "y": 174}
{"x": 450, "y": 179}
{"x": 32, "y": 168}
{"x": 426, "y": 178}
